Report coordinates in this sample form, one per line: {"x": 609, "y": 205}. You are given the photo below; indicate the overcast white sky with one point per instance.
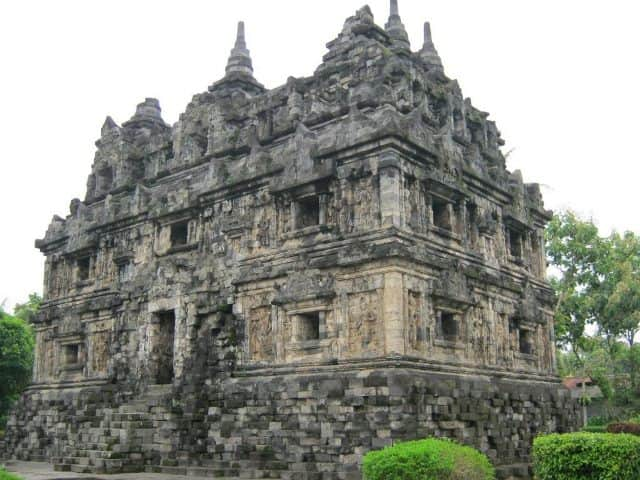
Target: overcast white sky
{"x": 561, "y": 78}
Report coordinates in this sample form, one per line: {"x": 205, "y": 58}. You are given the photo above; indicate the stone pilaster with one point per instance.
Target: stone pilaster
{"x": 390, "y": 190}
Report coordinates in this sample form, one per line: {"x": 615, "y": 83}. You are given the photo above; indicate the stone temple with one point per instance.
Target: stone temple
{"x": 288, "y": 278}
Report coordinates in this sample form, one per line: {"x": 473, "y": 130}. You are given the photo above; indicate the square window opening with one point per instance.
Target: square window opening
{"x": 179, "y": 234}
{"x": 526, "y": 343}
{"x": 124, "y": 271}
{"x": 309, "y": 326}
{"x": 162, "y": 348}
{"x": 308, "y": 212}
{"x": 449, "y": 326}
{"x": 84, "y": 268}
{"x": 515, "y": 243}
{"x": 514, "y": 325}
{"x": 71, "y": 354}
{"x": 105, "y": 176}
{"x": 441, "y": 216}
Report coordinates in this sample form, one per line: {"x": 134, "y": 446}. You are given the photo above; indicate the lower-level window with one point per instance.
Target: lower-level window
{"x": 526, "y": 342}
{"x": 521, "y": 337}
{"x": 308, "y": 326}
{"x": 448, "y": 326}
{"x": 71, "y": 354}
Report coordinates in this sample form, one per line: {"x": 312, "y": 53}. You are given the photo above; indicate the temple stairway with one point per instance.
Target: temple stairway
{"x": 138, "y": 437}
{"x": 120, "y": 440}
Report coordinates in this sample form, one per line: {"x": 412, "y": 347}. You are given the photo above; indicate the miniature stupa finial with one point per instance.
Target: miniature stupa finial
{"x": 395, "y": 27}
{"x": 240, "y": 59}
{"x": 429, "y": 54}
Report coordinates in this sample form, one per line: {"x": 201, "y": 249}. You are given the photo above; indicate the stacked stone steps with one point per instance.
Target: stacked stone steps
{"x": 253, "y": 469}
{"x": 241, "y": 469}
{"x": 119, "y": 440}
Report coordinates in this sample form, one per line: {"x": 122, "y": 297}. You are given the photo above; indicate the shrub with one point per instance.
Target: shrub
{"x": 624, "y": 427}
{"x": 4, "y": 475}
{"x": 16, "y": 360}
{"x": 597, "y": 421}
{"x": 429, "y": 459}
{"x": 586, "y": 456}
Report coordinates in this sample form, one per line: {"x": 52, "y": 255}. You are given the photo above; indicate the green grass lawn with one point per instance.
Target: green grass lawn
{"x": 4, "y": 475}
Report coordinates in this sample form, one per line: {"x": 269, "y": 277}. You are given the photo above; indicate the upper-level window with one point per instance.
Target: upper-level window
{"x": 515, "y": 242}
{"x": 105, "y": 179}
{"x": 307, "y": 212}
{"x": 83, "y": 266}
{"x": 125, "y": 271}
{"x": 180, "y": 233}
{"x": 441, "y": 213}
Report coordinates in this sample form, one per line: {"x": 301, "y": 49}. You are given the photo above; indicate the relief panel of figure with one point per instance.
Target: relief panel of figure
{"x": 99, "y": 342}
{"x": 365, "y": 329}
{"x": 261, "y": 347}
{"x": 415, "y": 327}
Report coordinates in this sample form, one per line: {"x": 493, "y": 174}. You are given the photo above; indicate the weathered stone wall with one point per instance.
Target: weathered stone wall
{"x": 358, "y": 220}
{"x": 319, "y": 422}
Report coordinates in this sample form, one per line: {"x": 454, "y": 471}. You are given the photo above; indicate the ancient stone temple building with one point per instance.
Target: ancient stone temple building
{"x": 288, "y": 278}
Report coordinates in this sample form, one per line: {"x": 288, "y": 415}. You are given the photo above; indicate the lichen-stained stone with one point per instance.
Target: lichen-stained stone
{"x": 287, "y": 278}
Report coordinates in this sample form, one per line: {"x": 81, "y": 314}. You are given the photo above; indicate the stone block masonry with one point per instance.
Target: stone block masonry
{"x": 288, "y": 278}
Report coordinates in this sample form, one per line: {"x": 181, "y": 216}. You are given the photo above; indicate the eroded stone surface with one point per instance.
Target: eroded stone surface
{"x": 312, "y": 271}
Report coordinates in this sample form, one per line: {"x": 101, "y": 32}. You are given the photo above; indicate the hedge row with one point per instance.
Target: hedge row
{"x": 587, "y": 456}
{"x": 429, "y": 459}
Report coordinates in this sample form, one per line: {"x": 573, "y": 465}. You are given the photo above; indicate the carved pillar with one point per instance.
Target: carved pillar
{"x": 390, "y": 190}
{"x": 393, "y": 306}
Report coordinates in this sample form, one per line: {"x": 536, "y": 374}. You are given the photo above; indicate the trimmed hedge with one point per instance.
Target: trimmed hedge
{"x": 586, "y": 456}
{"x": 429, "y": 459}
{"x": 624, "y": 427}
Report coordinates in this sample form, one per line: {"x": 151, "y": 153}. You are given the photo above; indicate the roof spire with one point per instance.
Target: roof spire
{"x": 239, "y": 59}
{"x": 239, "y": 71}
{"x": 394, "y": 8}
{"x": 429, "y": 54}
{"x": 395, "y": 27}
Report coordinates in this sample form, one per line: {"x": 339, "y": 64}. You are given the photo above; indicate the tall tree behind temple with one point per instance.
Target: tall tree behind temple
{"x": 598, "y": 281}
{"x": 26, "y": 311}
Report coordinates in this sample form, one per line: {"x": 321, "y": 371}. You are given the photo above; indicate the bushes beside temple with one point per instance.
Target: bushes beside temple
{"x": 4, "y": 475}
{"x": 429, "y": 459}
{"x": 587, "y": 456}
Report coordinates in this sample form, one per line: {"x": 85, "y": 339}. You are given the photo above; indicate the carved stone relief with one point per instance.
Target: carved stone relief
{"x": 365, "y": 328}
{"x": 261, "y": 341}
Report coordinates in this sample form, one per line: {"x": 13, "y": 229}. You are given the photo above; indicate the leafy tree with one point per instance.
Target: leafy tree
{"x": 619, "y": 294}
{"x": 27, "y": 311}
{"x": 16, "y": 359}
{"x": 597, "y": 282}
{"x": 573, "y": 247}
